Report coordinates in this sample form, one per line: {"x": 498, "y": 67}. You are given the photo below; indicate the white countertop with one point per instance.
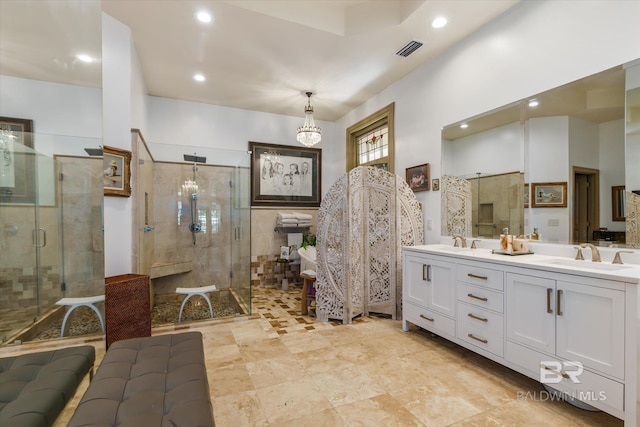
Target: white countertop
{"x": 629, "y": 273}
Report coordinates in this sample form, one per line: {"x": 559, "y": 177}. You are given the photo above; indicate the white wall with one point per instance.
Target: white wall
{"x": 117, "y": 89}
{"x": 492, "y": 152}
{"x": 612, "y": 142}
{"x": 185, "y": 123}
{"x": 55, "y": 108}
{"x": 533, "y": 47}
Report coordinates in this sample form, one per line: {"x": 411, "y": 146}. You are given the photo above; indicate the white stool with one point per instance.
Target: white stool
{"x": 77, "y": 302}
{"x": 189, "y": 292}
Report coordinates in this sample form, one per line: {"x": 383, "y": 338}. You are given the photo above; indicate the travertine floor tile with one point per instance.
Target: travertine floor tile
{"x": 229, "y": 380}
{"x": 326, "y": 418}
{"x": 381, "y": 410}
{"x": 274, "y": 371}
{"x": 347, "y": 385}
{"x": 240, "y": 410}
{"x": 292, "y": 400}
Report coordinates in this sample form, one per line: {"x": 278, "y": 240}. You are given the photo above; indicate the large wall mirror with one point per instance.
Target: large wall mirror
{"x": 546, "y": 165}
{"x": 51, "y": 78}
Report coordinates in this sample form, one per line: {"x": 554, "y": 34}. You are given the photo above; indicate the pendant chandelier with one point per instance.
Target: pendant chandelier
{"x": 309, "y": 134}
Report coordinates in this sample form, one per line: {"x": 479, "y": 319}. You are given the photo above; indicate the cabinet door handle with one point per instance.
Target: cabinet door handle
{"x": 558, "y": 311}
{"x": 477, "y": 297}
{"x": 473, "y": 316}
{"x": 546, "y": 368}
{"x": 549, "y": 292}
{"x": 428, "y": 275}
{"x": 475, "y": 276}
{"x": 426, "y": 318}
{"x": 473, "y": 337}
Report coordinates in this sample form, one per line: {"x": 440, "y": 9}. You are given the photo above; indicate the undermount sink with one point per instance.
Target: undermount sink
{"x": 588, "y": 264}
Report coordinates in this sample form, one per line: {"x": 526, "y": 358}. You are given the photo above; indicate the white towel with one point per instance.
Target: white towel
{"x": 286, "y": 215}
{"x": 302, "y": 215}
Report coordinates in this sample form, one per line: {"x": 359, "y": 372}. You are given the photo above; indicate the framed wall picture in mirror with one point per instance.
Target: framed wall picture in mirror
{"x": 17, "y": 161}
{"x": 549, "y": 195}
{"x": 116, "y": 173}
{"x": 617, "y": 203}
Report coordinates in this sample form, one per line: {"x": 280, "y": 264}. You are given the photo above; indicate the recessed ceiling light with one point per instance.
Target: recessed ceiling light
{"x": 203, "y": 16}
{"x": 84, "y": 58}
{"x": 199, "y": 77}
{"x": 464, "y": 126}
{"x": 439, "y": 22}
{"x": 533, "y": 103}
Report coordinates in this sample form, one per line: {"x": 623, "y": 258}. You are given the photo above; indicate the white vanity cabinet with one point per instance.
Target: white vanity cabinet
{"x": 428, "y": 290}
{"x": 576, "y": 331}
{"x": 557, "y": 320}
{"x": 568, "y": 319}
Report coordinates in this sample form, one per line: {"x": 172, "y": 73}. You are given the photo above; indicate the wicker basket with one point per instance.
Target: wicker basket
{"x": 127, "y": 309}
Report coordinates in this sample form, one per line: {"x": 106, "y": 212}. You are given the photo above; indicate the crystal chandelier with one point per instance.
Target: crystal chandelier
{"x": 190, "y": 187}
{"x": 309, "y": 134}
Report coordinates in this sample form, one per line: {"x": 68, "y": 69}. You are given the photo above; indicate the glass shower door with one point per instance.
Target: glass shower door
{"x": 241, "y": 237}
{"x": 29, "y": 226}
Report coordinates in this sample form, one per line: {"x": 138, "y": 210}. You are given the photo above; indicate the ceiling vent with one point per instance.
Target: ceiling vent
{"x": 409, "y": 48}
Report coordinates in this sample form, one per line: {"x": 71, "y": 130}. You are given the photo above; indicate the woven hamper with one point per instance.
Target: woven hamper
{"x": 126, "y": 303}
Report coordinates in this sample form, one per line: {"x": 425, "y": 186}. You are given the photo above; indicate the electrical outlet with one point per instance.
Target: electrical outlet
{"x": 429, "y": 224}
{"x": 553, "y": 222}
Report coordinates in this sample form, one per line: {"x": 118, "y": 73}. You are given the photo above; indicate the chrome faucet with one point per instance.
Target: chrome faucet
{"x": 617, "y": 259}
{"x": 595, "y": 255}
{"x": 463, "y": 241}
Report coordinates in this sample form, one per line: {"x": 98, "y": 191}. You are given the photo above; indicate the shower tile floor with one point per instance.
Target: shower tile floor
{"x": 279, "y": 368}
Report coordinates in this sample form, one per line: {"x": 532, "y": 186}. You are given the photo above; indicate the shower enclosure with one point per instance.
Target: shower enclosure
{"x": 51, "y": 240}
{"x": 194, "y": 221}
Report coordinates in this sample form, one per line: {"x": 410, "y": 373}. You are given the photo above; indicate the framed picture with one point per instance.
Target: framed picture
{"x": 285, "y": 175}
{"x": 17, "y": 161}
{"x": 435, "y": 184}
{"x": 418, "y": 177}
{"x": 116, "y": 172}
{"x": 526, "y": 195}
{"x": 549, "y": 194}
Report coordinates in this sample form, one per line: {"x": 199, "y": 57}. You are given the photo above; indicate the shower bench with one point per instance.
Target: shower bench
{"x": 189, "y": 292}
{"x": 79, "y": 302}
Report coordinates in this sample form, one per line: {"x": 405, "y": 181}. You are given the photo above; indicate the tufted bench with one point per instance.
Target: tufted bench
{"x": 150, "y": 381}
{"x": 35, "y": 387}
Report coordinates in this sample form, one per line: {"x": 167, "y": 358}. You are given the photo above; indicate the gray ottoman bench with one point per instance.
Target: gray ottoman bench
{"x": 35, "y": 387}
{"x": 150, "y": 381}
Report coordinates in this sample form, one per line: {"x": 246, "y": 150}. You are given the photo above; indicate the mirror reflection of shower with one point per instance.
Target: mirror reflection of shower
{"x": 190, "y": 187}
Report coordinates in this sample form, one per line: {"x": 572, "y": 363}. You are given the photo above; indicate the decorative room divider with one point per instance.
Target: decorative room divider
{"x": 363, "y": 222}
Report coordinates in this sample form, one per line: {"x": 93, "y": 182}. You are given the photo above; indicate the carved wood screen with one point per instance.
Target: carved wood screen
{"x": 363, "y": 222}
{"x": 456, "y": 206}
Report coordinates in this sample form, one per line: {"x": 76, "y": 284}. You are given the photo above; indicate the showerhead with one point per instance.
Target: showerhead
{"x": 194, "y": 158}
{"x": 94, "y": 151}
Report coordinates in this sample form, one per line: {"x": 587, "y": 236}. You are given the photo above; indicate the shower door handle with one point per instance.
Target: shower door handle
{"x": 36, "y": 240}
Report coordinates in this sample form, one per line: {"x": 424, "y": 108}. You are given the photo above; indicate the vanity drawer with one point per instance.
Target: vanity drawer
{"x": 481, "y": 297}
{"x": 482, "y": 328}
{"x": 481, "y": 276}
{"x": 593, "y": 389}
{"x": 429, "y": 319}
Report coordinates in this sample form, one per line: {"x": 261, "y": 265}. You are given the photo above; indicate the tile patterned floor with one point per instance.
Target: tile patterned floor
{"x": 278, "y": 368}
